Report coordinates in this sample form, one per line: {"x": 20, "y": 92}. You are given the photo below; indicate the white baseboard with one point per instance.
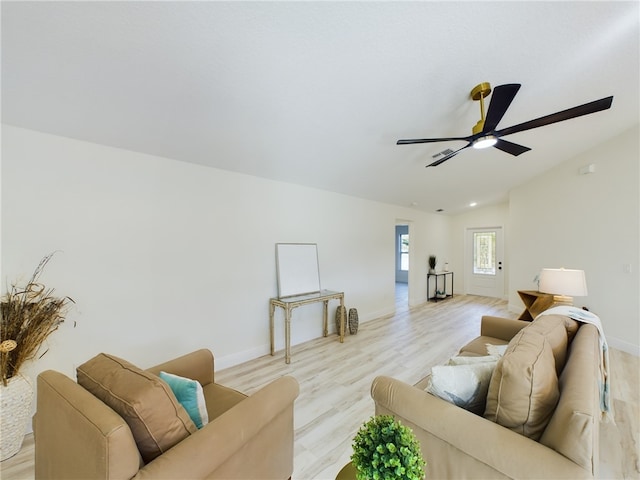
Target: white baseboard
{"x": 624, "y": 346}
{"x": 373, "y": 315}
{"x": 515, "y": 308}
{"x": 240, "y": 357}
{"x": 234, "y": 359}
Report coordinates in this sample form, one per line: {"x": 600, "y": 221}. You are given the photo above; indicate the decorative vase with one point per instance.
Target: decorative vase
{"x": 353, "y": 321}
{"x": 432, "y": 271}
{"x": 15, "y": 410}
{"x": 341, "y": 311}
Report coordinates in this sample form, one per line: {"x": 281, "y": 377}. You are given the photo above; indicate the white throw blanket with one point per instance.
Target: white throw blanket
{"x": 584, "y": 316}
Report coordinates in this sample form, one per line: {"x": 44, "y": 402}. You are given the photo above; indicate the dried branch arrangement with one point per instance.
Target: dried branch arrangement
{"x": 29, "y": 315}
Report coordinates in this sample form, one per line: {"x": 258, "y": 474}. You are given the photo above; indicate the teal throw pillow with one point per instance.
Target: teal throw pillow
{"x": 190, "y": 396}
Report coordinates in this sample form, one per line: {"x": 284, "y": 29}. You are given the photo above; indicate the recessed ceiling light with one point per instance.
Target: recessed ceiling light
{"x": 473, "y": 204}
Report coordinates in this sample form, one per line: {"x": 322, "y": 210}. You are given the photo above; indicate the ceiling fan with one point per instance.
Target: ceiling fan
{"x": 484, "y": 133}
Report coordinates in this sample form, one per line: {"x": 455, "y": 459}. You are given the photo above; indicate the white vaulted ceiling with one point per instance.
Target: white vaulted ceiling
{"x": 318, "y": 93}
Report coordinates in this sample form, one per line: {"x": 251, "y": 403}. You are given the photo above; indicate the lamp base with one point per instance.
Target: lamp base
{"x": 562, "y": 300}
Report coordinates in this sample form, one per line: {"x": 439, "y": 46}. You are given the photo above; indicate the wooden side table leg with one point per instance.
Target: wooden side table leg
{"x": 342, "y": 315}
{"x": 272, "y": 309}
{"x": 325, "y": 318}
{"x": 287, "y": 335}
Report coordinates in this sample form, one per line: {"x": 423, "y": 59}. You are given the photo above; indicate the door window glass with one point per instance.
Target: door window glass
{"x": 484, "y": 253}
{"x": 404, "y": 252}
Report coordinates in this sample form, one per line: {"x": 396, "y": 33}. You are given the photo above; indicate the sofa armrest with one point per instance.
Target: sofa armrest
{"x": 458, "y": 444}
{"x": 502, "y": 328}
{"x": 196, "y": 365}
{"x": 73, "y": 429}
{"x": 253, "y": 439}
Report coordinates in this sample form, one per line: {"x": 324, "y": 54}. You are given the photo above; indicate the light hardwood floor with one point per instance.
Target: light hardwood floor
{"x": 335, "y": 380}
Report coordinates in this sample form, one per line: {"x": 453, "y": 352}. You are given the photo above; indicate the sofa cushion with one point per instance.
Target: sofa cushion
{"x": 463, "y": 382}
{"x": 556, "y": 328}
{"x": 156, "y": 419}
{"x": 524, "y": 386}
{"x": 478, "y": 346}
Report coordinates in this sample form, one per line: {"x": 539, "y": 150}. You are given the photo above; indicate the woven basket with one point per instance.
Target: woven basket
{"x": 353, "y": 321}
{"x": 342, "y": 311}
{"x": 15, "y": 410}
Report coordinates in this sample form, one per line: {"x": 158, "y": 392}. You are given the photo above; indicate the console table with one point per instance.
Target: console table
{"x": 534, "y": 303}
{"x": 435, "y": 297}
{"x": 295, "y": 301}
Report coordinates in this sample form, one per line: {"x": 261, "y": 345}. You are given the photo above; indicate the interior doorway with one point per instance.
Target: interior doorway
{"x": 402, "y": 248}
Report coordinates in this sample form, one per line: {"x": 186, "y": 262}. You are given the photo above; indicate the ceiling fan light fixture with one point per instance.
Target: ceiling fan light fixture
{"x": 485, "y": 142}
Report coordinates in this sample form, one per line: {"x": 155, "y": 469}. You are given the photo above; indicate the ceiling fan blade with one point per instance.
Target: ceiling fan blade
{"x": 501, "y": 98}
{"x": 510, "y": 147}
{"x": 450, "y": 155}
{"x": 586, "y": 109}
{"x": 430, "y": 140}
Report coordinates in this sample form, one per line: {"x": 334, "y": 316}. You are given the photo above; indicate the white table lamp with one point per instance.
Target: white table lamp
{"x": 563, "y": 283}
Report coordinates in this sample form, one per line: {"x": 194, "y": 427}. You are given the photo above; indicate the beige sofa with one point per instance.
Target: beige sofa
{"x": 459, "y": 444}
{"x": 77, "y": 436}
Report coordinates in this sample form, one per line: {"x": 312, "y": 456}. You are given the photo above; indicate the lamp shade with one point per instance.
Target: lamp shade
{"x": 562, "y": 281}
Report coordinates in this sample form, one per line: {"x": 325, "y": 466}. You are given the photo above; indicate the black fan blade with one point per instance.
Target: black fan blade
{"x": 586, "y": 109}
{"x": 510, "y": 147}
{"x": 430, "y": 140}
{"x": 447, "y": 157}
{"x": 501, "y": 98}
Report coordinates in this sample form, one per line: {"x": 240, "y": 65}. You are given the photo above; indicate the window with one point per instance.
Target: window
{"x": 404, "y": 252}
{"x": 484, "y": 253}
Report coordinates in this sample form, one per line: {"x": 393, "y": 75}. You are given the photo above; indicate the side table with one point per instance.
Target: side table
{"x": 534, "y": 303}
{"x": 295, "y": 301}
{"x": 437, "y": 275}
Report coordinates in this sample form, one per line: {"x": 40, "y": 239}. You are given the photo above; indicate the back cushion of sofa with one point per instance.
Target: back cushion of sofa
{"x": 146, "y": 403}
{"x": 524, "y": 387}
{"x": 573, "y": 428}
{"x": 554, "y": 329}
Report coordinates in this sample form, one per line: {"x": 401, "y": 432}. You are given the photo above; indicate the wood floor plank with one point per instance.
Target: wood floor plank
{"x": 335, "y": 380}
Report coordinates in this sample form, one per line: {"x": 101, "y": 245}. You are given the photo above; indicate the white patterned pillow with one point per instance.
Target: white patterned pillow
{"x": 463, "y": 384}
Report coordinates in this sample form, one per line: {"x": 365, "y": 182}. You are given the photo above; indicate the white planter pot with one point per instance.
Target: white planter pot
{"x": 15, "y": 410}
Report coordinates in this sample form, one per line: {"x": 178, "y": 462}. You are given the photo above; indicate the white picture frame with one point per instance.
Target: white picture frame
{"x": 297, "y": 269}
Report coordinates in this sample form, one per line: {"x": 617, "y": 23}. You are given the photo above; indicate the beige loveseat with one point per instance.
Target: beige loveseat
{"x": 77, "y": 436}
{"x": 459, "y": 444}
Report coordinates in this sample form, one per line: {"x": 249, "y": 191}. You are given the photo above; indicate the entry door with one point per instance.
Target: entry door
{"x": 484, "y": 265}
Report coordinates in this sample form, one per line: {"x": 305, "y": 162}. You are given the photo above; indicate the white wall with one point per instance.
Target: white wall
{"x": 589, "y": 222}
{"x": 163, "y": 257}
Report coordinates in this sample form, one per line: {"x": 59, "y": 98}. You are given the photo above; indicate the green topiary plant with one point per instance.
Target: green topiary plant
{"x": 384, "y": 449}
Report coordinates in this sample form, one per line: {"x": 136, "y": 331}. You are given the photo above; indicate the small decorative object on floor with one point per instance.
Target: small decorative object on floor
{"x": 344, "y": 315}
{"x": 353, "y": 321}
{"x": 385, "y": 449}
{"x": 15, "y": 410}
{"x": 432, "y": 263}
{"x": 29, "y": 314}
